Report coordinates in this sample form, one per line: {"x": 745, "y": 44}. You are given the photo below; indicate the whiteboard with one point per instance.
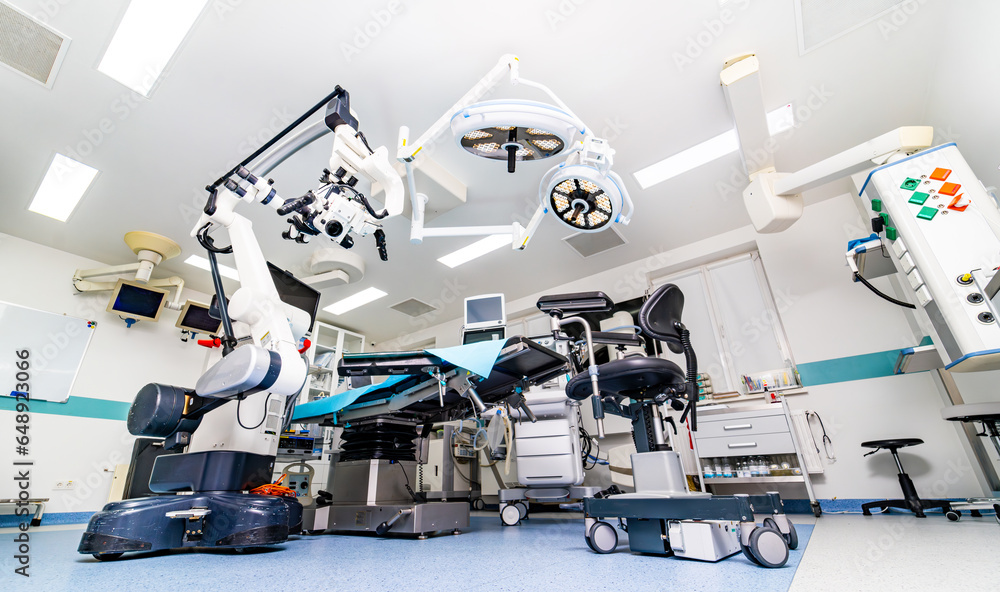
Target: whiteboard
{"x": 56, "y": 344}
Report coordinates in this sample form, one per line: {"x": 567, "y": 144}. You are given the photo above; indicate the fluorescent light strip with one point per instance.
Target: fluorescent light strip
{"x": 477, "y": 249}
{"x": 779, "y": 120}
{"x": 203, "y": 263}
{"x": 147, "y": 38}
{"x": 62, "y": 187}
{"x": 351, "y": 302}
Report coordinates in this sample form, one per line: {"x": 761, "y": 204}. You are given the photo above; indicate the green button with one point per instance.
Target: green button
{"x": 919, "y": 198}
{"x": 885, "y": 218}
{"x": 876, "y": 205}
{"x": 927, "y": 213}
{"x": 910, "y": 184}
{"x": 890, "y": 233}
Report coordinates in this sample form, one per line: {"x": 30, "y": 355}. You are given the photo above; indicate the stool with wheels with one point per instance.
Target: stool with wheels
{"x": 911, "y": 501}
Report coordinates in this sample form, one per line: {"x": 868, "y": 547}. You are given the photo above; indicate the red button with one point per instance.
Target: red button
{"x": 940, "y": 174}
{"x": 949, "y": 189}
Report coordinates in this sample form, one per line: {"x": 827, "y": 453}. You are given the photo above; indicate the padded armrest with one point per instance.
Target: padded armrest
{"x": 612, "y": 338}
{"x": 577, "y": 302}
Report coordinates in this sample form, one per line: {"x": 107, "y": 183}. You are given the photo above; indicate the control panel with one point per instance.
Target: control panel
{"x": 943, "y": 230}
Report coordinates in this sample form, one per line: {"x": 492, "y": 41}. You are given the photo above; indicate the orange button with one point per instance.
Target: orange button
{"x": 958, "y": 204}
{"x": 949, "y": 189}
{"x": 940, "y": 174}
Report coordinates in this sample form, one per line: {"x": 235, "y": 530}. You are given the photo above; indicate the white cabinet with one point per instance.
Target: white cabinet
{"x": 329, "y": 344}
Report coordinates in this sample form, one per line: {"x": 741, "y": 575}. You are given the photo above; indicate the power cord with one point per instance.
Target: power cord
{"x": 239, "y": 400}
{"x": 880, "y": 294}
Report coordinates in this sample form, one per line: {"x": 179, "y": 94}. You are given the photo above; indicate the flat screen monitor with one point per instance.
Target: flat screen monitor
{"x": 497, "y": 334}
{"x": 482, "y": 312}
{"x": 194, "y": 317}
{"x": 134, "y": 300}
{"x": 294, "y": 292}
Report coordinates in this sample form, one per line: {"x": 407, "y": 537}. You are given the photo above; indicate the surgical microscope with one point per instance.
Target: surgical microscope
{"x": 225, "y": 430}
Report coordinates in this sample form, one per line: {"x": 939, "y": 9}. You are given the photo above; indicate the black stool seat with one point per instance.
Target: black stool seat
{"x": 637, "y": 378}
{"x": 911, "y": 501}
{"x": 892, "y": 443}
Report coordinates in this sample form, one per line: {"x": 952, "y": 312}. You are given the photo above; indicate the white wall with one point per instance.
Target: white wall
{"x": 117, "y": 364}
{"x": 825, "y": 316}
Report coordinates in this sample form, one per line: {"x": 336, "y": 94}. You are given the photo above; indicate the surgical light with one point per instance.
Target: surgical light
{"x": 514, "y": 130}
{"x": 583, "y": 193}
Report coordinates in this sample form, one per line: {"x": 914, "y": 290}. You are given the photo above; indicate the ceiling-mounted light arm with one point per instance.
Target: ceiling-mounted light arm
{"x": 407, "y": 151}
{"x": 418, "y": 232}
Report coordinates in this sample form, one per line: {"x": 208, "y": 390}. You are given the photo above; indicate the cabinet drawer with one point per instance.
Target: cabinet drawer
{"x": 767, "y": 424}
{"x": 746, "y": 445}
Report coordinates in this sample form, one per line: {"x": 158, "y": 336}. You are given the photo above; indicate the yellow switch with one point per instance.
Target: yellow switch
{"x": 965, "y": 279}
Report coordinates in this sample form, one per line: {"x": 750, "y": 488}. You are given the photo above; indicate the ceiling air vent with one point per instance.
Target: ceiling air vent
{"x": 29, "y": 47}
{"x": 588, "y": 244}
{"x": 822, "y": 21}
{"x": 413, "y": 307}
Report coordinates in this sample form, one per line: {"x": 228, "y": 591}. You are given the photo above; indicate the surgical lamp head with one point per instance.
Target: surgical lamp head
{"x": 514, "y": 130}
{"x": 583, "y": 193}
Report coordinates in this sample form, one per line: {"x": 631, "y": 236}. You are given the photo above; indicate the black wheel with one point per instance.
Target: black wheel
{"x": 107, "y": 556}
{"x": 478, "y": 504}
{"x": 770, "y": 523}
{"x": 749, "y": 555}
{"x": 602, "y": 537}
{"x": 953, "y": 515}
{"x": 792, "y": 538}
{"x": 510, "y": 515}
{"x": 522, "y": 508}
{"x": 769, "y": 547}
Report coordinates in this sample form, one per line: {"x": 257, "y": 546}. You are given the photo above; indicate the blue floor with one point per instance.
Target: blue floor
{"x": 540, "y": 554}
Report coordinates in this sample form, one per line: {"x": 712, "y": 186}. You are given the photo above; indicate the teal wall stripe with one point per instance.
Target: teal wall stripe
{"x": 75, "y": 407}
{"x": 860, "y": 367}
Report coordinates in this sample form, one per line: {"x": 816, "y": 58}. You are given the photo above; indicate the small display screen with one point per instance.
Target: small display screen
{"x": 294, "y": 292}
{"x": 137, "y": 301}
{"x": 484, "y": 310}
{"x": 478, "y": 336}
{"x": 197, "y": 319}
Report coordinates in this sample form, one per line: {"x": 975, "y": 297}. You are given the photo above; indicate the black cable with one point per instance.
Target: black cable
{"x": 261, "y": 422}
{"x": 364, "y": 201}
{"x": 365, "y": 140}
{"x": 416, "y": 498}
{"x": 859, "y": 278}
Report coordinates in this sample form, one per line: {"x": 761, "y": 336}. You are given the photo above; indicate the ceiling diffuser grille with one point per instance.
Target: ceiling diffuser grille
{"x": 588, "y": 244}
{"x": 29, "y": 47}
{"x": 413, "y": 307}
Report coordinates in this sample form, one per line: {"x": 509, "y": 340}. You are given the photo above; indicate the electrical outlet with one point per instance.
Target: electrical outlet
{"x": 67, "y": 484}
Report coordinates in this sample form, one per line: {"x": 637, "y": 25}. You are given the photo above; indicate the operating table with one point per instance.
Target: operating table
{"x": 381, "y": 444}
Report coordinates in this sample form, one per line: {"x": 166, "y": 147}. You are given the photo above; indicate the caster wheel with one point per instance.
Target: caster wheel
{"x": 792, "y": 538}
{"x": 602, "y": 537}
{"x": 770, "y": 523}
{"x": 522, "y": 508}
{"x": 106, "y": 556}
{"x": 769, "y": 547}
{"x": 749, "y": 555}
{"x": 478, "y": 504}
{"x": 510, "y": 515}
{"x": 953, "y": 515}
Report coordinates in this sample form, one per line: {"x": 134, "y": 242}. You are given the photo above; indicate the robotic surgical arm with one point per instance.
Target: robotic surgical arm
{"x": 336, "y": 208}
{"x": 265, "y": 372}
